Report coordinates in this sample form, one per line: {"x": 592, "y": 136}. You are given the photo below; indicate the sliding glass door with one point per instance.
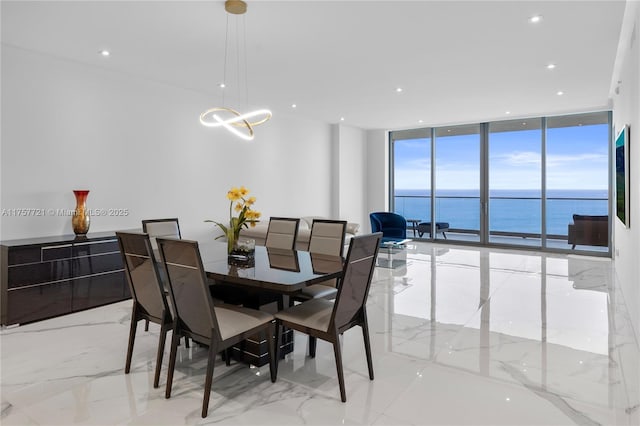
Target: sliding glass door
{"x": 515, "y": 182}
{"x": 411, "y": 159}
{"x": 540, "y": 183}
{"x": 457, "y": 183}
{"x": 577, "y": 165}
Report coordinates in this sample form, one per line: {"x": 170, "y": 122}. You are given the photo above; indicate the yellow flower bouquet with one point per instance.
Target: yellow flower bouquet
{"x": 246, "y": 216}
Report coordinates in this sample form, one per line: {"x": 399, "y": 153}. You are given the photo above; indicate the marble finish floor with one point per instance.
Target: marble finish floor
{"x": 459, "y": 335}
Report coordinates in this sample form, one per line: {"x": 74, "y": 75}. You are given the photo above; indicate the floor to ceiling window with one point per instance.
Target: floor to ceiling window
{"x": 515, "y": 182}
{"x": 457, "y": 182}
{"x": 538, "y": 182}
{"x": 411, "y": 159}
{"x": 577, "y": 164}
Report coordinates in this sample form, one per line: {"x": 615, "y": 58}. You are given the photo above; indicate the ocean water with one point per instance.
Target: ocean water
{"x": 509, "y": 210}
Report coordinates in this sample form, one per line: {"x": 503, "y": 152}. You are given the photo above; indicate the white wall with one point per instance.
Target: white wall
{"x": 627, "y": 111}
{"x": 351, "y": 184}
{"x": 377, "y": 172}
{"x": 137, "y": 144}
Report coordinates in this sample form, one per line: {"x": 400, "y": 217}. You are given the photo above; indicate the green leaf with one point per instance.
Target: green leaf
{"x": 223, "y": 228}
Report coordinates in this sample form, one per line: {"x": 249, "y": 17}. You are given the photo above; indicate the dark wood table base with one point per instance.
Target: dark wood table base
{"x": 255, "y": 349}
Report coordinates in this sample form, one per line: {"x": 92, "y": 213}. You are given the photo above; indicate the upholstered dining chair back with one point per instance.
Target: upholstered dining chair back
{"x": 149, "y": 299}
{"x": 142, "y": 273}
{"x": 188, "y": 288}
{"x": 356, "y": 279}
{"x": 162, "y": 228}
{"x": 327, "y": 237}
{"x": 282, "y": 233}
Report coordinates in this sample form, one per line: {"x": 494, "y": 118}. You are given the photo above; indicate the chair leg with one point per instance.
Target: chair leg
{"x": 132, "y": 338}
{"x": 172, "y": 362}
{"x": 164, "y": 328}
{"x": 338, "y": 354}
{"x": 444, "y": 235}
{"x": 273, "y": 359}
{"x": 227, "y": 356}
{"x": 146, "y": 325}
{"x": 209, "y": 378}
{"x": 280, "y": 302}
{"x": 367, "y": 343}
{"x": 312, "y": 346}
{"x": 277, "y": 347}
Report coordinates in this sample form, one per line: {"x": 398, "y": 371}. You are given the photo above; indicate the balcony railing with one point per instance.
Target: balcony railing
{"x": 508, "y": 216}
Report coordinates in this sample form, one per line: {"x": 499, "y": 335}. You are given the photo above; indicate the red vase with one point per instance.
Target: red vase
{"x": 81, "y": 220}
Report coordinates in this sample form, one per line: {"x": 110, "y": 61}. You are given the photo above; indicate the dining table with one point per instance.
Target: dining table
{"x": 264, "y": 283}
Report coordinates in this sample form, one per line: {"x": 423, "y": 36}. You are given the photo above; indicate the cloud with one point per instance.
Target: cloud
{"x": 422, "y": 144}
{"x": 534, "y": 158}
{"x": 413, "y": 163}
{"x": 563, "y": 160}
{"x": 518, "y": 158}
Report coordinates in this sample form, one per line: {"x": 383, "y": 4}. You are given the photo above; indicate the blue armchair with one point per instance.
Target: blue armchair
{"x": 392, "y": 225}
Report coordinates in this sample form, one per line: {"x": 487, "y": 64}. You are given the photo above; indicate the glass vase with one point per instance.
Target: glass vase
{"x": 241, "y": 252}
{"x": 80, "y": 220}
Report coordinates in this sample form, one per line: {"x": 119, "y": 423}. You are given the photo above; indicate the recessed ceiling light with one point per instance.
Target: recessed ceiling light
{"x": 507, "y": 112}
{"x": 524, "y": 124}
{"x": 341, "y": 118}
{"x": 535, "y": 19}
{"x": 222, "y": 85}
{"x": 420, "y": 121}
{"x": 104, "y": 52}
{"x": 294, "y": 106}
{"x": 551, "y": 66}
{"x": 560, "y": 93}
{"x": 398, "y": 89}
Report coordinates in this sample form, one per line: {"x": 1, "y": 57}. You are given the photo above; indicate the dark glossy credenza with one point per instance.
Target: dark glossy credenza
{"x": 51, "y": 276}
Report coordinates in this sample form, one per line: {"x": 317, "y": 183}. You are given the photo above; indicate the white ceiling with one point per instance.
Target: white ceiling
{"x": 457, "y": 61}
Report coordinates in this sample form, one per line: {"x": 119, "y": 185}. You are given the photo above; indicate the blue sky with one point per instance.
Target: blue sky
{"x": 577, "y": 158}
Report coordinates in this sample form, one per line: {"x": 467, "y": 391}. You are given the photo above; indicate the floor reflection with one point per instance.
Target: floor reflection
{"x": 546, "y": 322}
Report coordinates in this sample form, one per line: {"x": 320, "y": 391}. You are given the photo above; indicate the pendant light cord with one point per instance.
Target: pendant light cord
{"x": 239, "y": 124}
{"x": 238, "y": 92}
{"x": 246, "y": 66}
{"x": 226, "y": 51}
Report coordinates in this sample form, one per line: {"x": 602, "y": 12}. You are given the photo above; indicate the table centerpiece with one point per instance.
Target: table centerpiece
{"x": 240, "y": 251}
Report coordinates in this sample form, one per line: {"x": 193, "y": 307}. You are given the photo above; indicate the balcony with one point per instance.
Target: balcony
{"x": 513, "y": 220}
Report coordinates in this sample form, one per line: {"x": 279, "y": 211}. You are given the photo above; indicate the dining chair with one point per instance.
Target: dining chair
{"x": 149, "y": 299}
{"x": 168, "y": 227}
{"x": 220, "y": 326}
{"x": 327, "y": 237}
{"x": 282, "y": 233}
{"x": 328, "y": 319}
{"x": 161, "y": 228}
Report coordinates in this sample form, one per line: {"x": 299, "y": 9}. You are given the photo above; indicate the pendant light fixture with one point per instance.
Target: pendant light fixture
{"x": 240, "y": 124}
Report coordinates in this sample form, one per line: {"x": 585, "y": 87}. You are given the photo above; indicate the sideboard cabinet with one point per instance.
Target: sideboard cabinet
{"x": 50, "y": 276}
